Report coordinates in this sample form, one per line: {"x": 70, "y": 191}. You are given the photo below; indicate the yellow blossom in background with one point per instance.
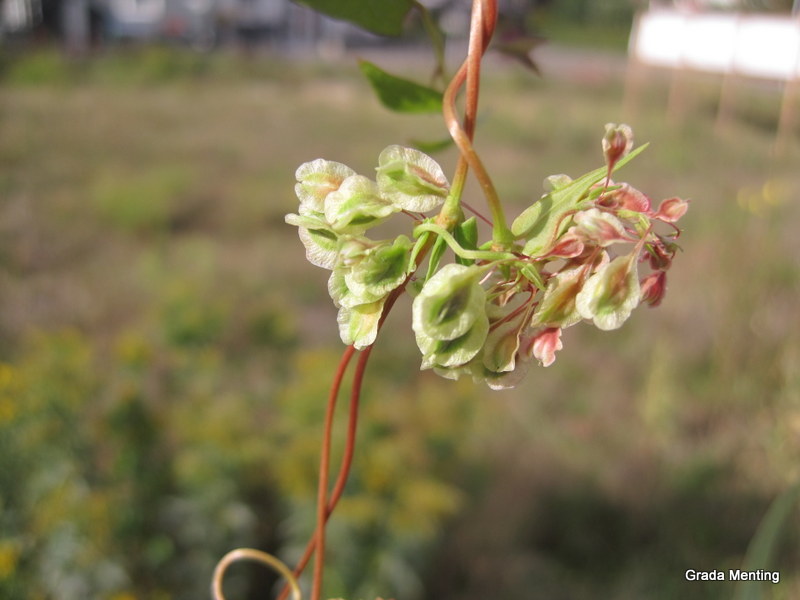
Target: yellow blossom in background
{"x": 9, "y": 557}
{"x": 8, "y": 408}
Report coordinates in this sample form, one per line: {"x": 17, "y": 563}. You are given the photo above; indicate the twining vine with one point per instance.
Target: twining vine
{"x": 576, "y": 254}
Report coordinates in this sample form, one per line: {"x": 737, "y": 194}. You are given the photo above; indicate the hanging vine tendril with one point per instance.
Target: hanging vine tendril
{"x": 253, "y": 555}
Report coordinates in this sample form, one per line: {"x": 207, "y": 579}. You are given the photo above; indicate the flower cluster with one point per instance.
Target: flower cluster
{"x": 576, "y": 255}
{"x": 338, "y": 206}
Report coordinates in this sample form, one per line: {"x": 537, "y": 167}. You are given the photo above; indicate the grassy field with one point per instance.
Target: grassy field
{"x": 165, "y": 348}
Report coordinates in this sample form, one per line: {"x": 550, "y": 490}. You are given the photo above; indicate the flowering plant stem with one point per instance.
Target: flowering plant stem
{"x": 501, "y": 303}
{"x": 482, "y": 25}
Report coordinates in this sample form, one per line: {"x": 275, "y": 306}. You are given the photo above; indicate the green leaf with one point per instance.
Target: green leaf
{"x": 520, "y": 48}
{"x": 466, "y": 234}
{"x": 401, "y": 95}
{"x": 432, "y": 147}
{"x": 421, "y": 242}
{"x": 384, "y": 17}
{"x": 541, "y": 223}
{"x": 439, "y": 246}
{"x": 436, "y": 36}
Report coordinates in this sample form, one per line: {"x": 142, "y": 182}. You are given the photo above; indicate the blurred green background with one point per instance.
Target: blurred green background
{"x": 165, "y": 349}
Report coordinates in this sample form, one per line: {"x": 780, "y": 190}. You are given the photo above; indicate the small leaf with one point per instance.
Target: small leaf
{"x": 520, "y": 49}
{"x": 466, "y": 234}
{"x": 401, "y": 95}
{"x": 384, "y": 17}
{"x": 436, "y": 36}
{"x": 439, "y": 246}
{"x": 542, "y": 222}
{"x": 421, "y": 243}
{"x": 432, "y": 147}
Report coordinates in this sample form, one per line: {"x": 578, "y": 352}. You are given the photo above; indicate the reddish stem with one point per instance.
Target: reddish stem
{"x": 322, "y": 491}
{"x": 347, "y": 461}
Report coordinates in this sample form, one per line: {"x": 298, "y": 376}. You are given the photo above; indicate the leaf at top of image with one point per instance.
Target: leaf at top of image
{"x": 520, "y": 48}
{"x": 384, "y": 17}
{"x": 401, "y": 95}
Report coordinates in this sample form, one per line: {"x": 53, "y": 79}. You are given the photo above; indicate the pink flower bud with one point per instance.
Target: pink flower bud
{"x": 653, "y": 288}
{"x": 661, "y": 256}
{"x": 617, "y": 142}
{"x": 545, "y": 345}
{"x": 632, "y": 199}
{"x": 671, "y": 210}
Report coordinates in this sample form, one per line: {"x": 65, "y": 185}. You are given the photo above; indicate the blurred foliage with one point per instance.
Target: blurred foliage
{"x": 162, "y": 372}
{"x": 583, "y": 23}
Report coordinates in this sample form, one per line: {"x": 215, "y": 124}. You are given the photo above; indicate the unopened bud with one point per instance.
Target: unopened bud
{"x": 617, "y": 142}
{"x": 671, "y": 210}
{"x": 545, "y": 345}
{"x": 653, "y": 288}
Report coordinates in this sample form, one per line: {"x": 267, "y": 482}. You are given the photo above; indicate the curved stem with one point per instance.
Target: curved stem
{"x": 482, "y": 26}
{"x": 484, "y": 19}
{"x": 458, "y": 249}
{"x": 256, "y": 556}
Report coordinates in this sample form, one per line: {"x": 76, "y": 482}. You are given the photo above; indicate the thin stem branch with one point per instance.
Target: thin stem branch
{"x": 322, "y": 490}
{"x": 456, "y": 247}
{"x": 347, "y": 459}
{"x": 341, "y": 478}
{"x": 476, "y": 213}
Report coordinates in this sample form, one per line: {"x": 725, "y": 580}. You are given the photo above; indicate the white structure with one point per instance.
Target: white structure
{"x": 731, "y": 44}
{"x": 749, "y": 45}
